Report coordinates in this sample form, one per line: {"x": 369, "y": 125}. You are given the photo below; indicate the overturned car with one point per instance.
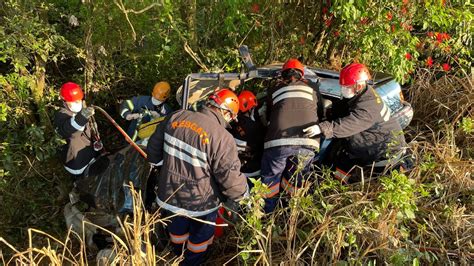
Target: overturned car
{"x": 198, "y": 86}
{"x": 107, "y": 192}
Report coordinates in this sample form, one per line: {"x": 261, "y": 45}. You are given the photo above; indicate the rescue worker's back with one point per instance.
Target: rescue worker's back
{"x": 201, "y": 162}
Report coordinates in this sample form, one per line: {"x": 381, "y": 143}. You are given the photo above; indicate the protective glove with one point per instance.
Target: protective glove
{"x": 232, "y": 205}
{"x": 312, "y": 131}
{"x": 232, "y": 211}
{"x": 155, "y": 114}
{"x": 132, "y": 116}
{"x": 87, "y": 112}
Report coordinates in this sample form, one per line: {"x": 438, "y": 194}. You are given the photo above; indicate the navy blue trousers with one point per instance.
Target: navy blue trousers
{"x": 279, "y": 166}
{"x": 191, "y": 237}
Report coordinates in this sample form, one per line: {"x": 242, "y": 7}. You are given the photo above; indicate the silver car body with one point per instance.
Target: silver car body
{"x": 198, "y": 85}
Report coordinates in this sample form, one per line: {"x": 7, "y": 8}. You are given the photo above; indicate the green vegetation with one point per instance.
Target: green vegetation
{"x": 117, "y": 49}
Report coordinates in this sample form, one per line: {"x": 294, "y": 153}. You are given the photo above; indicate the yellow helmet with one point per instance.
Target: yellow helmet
{"x": 161, "y": 91}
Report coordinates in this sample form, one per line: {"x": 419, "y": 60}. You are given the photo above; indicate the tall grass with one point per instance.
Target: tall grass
{"x": 424, "y": 216}
{"x": 132, "y": 243}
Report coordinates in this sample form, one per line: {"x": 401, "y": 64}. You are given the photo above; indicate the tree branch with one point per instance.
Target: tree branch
{"x": 125, "y": 11}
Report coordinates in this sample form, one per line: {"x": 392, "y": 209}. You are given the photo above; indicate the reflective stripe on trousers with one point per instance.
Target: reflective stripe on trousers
{"x": 197, "y": 236}
{"x": 341, "y": 175}
{"x": 199, "y": 247}
{"x": 275, "y": 163}
{"x": 179, "y": 239}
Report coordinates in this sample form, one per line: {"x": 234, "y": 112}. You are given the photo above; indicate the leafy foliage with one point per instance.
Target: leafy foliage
{"x": 398, "y": 36}
{"x": 118, "y": 49}
{"x": 28, "y": 43}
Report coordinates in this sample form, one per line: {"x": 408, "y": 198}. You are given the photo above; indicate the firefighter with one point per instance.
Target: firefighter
{"x": 143, "y": 108}
{"x": 73, "y": 123}
{"x": 291, "y": 107}
{"x": 249, "y": 135}
{"x": 368, "y": 136}
{"x": 200, "y": 169}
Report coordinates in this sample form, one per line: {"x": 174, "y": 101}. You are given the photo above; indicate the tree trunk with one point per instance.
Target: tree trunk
{"x": 37, "y": 91}
{"x": 89, "y": 60}
{"x": 191, "y": 19}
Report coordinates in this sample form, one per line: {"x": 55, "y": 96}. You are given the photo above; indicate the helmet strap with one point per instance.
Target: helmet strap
{"x": 251, "y": 114}
{"x": 359, "y": 91}
{"x": 225, "y": 114}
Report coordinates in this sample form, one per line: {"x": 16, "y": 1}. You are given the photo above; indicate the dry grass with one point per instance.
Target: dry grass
{"x": 326, "y": 222}
{"x": 440, "y": 104}
{"x": 132, "y": 244}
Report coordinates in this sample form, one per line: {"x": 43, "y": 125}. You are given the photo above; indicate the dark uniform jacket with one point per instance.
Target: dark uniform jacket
{"x": 78, "y": 151}
{"x": 200, "y": 162}
{"x": 290, "y": 109}
{"x": 140, "y": 103}
{"x": 249, "y": 135}
{"x": 364, "y": 122}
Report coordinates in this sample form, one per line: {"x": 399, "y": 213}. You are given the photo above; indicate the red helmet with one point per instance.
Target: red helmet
{"x": 354, "y": 73}
{"x": 293, "y": 63}
{"x": 247, "y": 101}
{"x": 71, "y": 92}
{"x": 225, "y": 99}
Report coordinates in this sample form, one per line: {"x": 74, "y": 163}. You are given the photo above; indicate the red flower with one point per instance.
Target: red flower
{"x": 393, "y": 28}
{"x": 255, "y": 8}
{"x": 446, "y": 67}
{"x": 439, "y": 37}
{"x": 404, "y": 10}
{"x": 328, "y": 22}
{"x": 405, "y": 2}
{"x": 430, "y": 34}
{"x": 336, "y": 33}
{"x": 325, "y": 10}
{"x": 408, "y": 56}
{"x": 389, "y": 15}
{"x": 302, "y": 40}
{"x": 429, "y": 61}
{"x": 364, "y": 21}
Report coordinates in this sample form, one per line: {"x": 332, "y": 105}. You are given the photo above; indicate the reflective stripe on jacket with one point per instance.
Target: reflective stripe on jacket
{"x": 364, "y": 121}
{"x": 200, "y": 163}
{"x": 290, "y": 109}
{"x": 138, "y": 104}
{"x": 78, "y": 151}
